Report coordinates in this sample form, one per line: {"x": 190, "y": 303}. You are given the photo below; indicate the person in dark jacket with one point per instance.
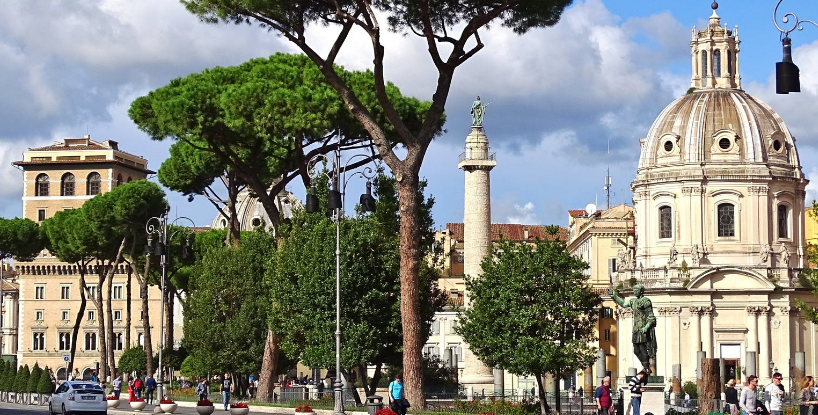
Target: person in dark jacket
{"x": 731, "y": 397}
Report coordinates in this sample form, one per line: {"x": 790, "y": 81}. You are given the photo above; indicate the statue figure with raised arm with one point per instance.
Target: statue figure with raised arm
{"x": 478, "y": 111}
{"x": 644, "y": 325}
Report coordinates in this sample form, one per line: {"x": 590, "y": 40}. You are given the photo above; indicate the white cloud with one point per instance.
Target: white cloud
{"x": 525, "y": 215}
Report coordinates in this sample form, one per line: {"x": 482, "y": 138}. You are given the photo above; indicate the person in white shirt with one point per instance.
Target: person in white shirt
{"x": 774, "y": 395}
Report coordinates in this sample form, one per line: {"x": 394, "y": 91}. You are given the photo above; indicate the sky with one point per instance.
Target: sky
{"x": 566, "y": 103}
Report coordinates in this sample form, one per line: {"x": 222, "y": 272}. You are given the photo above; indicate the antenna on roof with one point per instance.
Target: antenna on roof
{"x": 608, "y": 182}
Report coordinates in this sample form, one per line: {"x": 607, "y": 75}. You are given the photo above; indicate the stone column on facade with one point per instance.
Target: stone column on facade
{"x": 707, "y": 331}
{"x": 695, "y": 334}
{"x": 441, "y": 337}
{"x": 764, "y": 343}
{"x": 477, "y": 163}
{"x": 752, "y": 330}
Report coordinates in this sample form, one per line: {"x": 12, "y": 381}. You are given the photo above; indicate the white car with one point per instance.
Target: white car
{"x": 75, "y": 397}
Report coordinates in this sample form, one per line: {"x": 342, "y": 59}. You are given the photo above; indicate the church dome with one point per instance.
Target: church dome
{"x": 716, "y": 124}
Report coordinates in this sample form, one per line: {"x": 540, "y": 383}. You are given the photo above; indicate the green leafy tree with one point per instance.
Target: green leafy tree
{"x": 21, "y": 381}
{"x": 302, "y": 277}
{"x": 4, "y": 370}
{"x": 532, "y": 311}
{"x": 227, "y": 308}
{"x": 11, "y": 377}
{"x": 191, "y": 367}
{"x": 809, "y": 275}
{"x": 450, "y": 32}
{"x": 133, "y": 360}
{"x": 44, "y": 385}
{"x": 70, "y": 238}
{"x": 34, "y": 378}
{"x": 265, "y": 119}
{"x": 20, "y": 238}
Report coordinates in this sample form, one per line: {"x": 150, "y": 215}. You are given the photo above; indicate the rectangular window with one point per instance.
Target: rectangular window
{"x": 90, "y": 341}
{"x": 39, "y": 292}
{"x": 430, "y": 350}
{"x": 65, "y": 292}
{"x": 91, "y": 290}
{"x": 65, "y": 341}
{"x": 606, "y": 312}
{"x": 726, "y": 220}
{"x": 607, "y": 335}
{"x": 38, "y": 341}
{"x": 40, "y": 215}
{"x": 118, "y": 315}
{"x": 140, "y": 339}
{"x": 92, "y": 315}
{"x": 782, "y": 222}
{"x": 612, "y": 266}
{"x": 117, "y": 292}
{"x": 665, "y": 222}
{"x": 38, "y": 315}
{"x": 119, "y": 342}
{"x": 435, "y": 327}
{"x": 64, "y": 315}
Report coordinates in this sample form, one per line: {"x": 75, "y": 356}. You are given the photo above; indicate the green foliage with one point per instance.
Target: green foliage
{"x": 690, "y": 388}
{"x": 302, "y": 277}
{"x": 226, "y": 312}
{"x": 809, "y": 275}
{"x": 20, "y": 238}
{"x": 9, "y": 376}
{"x": 533, "y": 311}
{"x": 21, "y": 380}
{"x": 34, "y": 378}
{"x": 499, "y": 407}
{"x": 171, "y": 358}
{"x": 191, "y": 367}
{"x": 133, "y": 359}
{"x": 44, "y": 385}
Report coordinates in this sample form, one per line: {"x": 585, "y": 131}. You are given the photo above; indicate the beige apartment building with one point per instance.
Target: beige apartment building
{"x": 58, "y": 177}
{"x": 603, "y": 240}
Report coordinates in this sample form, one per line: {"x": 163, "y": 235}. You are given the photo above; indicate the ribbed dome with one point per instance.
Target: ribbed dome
{"x": 719, "y": 126}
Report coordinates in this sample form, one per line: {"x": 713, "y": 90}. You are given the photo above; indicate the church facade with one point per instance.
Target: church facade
{"x": 720, "y": 233}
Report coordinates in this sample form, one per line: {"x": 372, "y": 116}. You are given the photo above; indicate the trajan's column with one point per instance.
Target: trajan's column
{"x": 477, "y": 163}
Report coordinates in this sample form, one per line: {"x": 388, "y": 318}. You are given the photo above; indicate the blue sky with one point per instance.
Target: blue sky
{"x": 559, "y": 96}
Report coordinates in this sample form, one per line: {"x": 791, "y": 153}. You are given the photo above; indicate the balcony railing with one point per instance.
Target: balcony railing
{"x": 676, "y": 278}
{"x": 477, "y": 155}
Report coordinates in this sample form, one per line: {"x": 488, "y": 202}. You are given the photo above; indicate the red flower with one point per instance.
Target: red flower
{"x": 239, "y": 405}
{"x": 304, "y": 408}
{"x": 165, "y": 401}
{"x": 113, "y": 398}
{"x": 385, "y": 411}
{"x": 204, "y": 402}
{"x": 135, "y": 399}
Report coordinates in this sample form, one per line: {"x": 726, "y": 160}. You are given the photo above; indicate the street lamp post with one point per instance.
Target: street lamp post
{"x": 158, "y": 226}
{"x": 336, "y": 197}
{"x": 786, "y": 72}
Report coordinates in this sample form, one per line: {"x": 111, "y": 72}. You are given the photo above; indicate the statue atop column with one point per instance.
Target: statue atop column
{"x": 644, "y": 325}
{"x": 478, "y": 111}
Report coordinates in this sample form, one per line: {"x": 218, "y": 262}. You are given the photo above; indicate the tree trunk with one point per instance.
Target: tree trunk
{"x": 269, "y": 363}
{"x": 413, "y": 338}
{"x": 109, "y": 320}
{"x": 557, "y": 405}
{"x": 128, "y": 303}
{"x": 372, "y": 387}
{"x": 170, "y": 289}
{"x": 544, "y": 409}
{"x": 146, "y": 321}
{"x": 710, "y": 386}
{"x": 102, "y": 343}
{"x": 78, "y": 321}
{"x": 233, "y": 227}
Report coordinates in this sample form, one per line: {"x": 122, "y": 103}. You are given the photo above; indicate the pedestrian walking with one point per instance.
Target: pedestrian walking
{"x": 117, "y": 384}
{"x": 602, "y": 395}
{"x": 150, "y": 387}
{"x": 201, "y": 389}
{"x": 749, "y": 396}
{"x": 774, "y": 395}
{"x": 731, "y": 397}
{"x": 138, "y": 385}
{"x": 225, "y": 388}
{"x": 397, "y": 399}
{"x": 807, "y": 395}
{"x": 636, "y": 386}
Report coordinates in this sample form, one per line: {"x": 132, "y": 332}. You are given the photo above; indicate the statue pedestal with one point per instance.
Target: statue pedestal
{"x": 653, "y": 399}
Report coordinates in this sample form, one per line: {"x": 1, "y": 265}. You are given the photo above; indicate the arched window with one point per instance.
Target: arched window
{"x": 118, "y": 180}
{"x": 783, "y": 226}
{"x": 67, "y": 185}
{"x": 729, "y": 62}
{"x": 717, "y": 63}
{"x": 665, "y": 222}
{"x": 704, "y": 64}
{"x": 94, "y": 184}
{"x": 41, "y": 188}
{"x": 727, "y": 219}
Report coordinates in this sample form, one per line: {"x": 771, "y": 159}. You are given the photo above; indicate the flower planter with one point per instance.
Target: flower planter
{"x": 138, "y": 405}
{"x": 168, "y": 408}
{"x": 205, "y": 410}
{"x": 305, "y": 413}
{"x": 239, "y": 411}
{"x": 113, "y": 403}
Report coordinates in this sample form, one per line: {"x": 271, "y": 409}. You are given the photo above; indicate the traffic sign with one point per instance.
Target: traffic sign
{"x": 66, "y": 358}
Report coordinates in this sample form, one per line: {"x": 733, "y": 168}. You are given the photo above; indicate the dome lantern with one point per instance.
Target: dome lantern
{"x": 714, "y": 55}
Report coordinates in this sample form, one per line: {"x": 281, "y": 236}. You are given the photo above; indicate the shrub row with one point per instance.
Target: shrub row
{"x": 25, "y": 380}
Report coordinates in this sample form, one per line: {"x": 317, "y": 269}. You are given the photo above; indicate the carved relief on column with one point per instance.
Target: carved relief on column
{"x": 787, "y": 310}
{"x": 692, "y": 190}
{"x": 624, "y": 312}
{"x": 669, "y": 311}
{"x": 757, "y": 190}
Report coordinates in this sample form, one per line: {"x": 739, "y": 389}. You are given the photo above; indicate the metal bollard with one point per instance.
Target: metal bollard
{"x": 373, "y": 403}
